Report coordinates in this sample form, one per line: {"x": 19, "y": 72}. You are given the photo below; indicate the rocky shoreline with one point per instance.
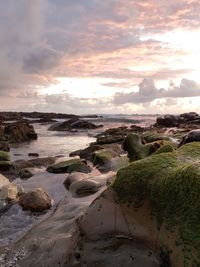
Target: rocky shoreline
{"x": 132, "y": 196}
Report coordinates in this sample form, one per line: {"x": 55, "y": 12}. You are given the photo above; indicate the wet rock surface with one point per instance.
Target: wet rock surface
{"x": 73, "y": 165}
{"x": 35, "y": 201}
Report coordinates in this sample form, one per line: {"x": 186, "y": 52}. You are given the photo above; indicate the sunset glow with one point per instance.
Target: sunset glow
{"x": 98, "y": 52}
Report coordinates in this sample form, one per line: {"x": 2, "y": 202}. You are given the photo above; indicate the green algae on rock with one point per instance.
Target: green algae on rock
{"x": 4, "y": 156}
{"x": 136, "y": 150}
{"x": 103, "y": 156}
{"x": 69, "y": 166}
{"x": 170, "y": 182}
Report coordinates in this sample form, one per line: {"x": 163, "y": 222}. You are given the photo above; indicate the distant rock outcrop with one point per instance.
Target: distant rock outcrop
{"x": 178, "y": 120}
{"x": 17, "y": 132}
{"x": 71, "y": 124}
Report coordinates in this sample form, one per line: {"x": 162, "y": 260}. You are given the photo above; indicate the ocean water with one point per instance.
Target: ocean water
{"x": 15, "y": 222}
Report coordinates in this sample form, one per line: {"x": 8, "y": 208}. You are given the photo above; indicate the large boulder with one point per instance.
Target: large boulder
{"x": 71, "y": 124}
{"x": 165, "y": 189}
{"x": 35, "y": 201}
{"x": 68, "y": 166}
{"x": 19, "y": 132}
{"x": 8, "y": 191}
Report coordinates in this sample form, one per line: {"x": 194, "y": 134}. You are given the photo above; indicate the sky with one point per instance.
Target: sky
{"x": 100, "y": 56}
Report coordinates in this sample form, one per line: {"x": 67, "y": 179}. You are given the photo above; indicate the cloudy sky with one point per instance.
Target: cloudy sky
{"x": 100, "y": 56}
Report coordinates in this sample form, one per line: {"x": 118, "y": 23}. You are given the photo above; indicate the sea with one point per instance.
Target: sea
{"x": 15, "y": 222}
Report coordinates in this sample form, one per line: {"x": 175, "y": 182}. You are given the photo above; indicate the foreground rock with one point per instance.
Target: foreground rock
{"x": 18, "y": 132}
{"x": 68, "y": 166}
{"x": 8, "y": 191}
{"x": 73, "y": 124}
{"x": 111, "y": 237}
{"x": 164, "y": 193}
{"x": 35, "y": 201}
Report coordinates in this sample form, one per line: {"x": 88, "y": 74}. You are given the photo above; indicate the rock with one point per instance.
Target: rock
{"x": 4, "y": 146}
{"x": 35, "y": 201}
{"x": 111, "y": 236}
{"x": 86, "y": 153}
{"x": 117, "y": 135}
{"x": 73, "y": 177}
{"x": 71, "y": 124}
{"x": 153, "y": 135}
{"x": 168, "y": 121}
{"x": 32, "y": 163}
{"x": 192, "y": 136}
{"x": 4, "y": 156}
{"x": 103, "y": 156}
{"x": 33, "y": 155}
{"x": 190, "y": 116}
{"x": 83, "y": 188}
{"x": 150, "y": 183}
{"x": 73, "y": 165}
{"x": 26, "y": 173}
{"x": 8, "y": 191}
{"x": 19, "y": 132}
{"x": 5, "y": 165}
{"x": 136, "y": 150}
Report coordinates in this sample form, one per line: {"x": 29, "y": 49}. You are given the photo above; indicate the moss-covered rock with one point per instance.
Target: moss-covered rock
{"x": 4, "y": 156}
{"x": 153, "y": 135}
{"x": 136, "y": 150}
{"x": 164, "y": 149}
{"x": 69, "y": 166}
{"x": 170, "y": 182}
{"x": 103, "y": 156}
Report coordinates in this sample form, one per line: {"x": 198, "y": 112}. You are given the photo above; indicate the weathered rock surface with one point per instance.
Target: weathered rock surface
{"x": 35, "y": 201}
{"x": 73, "y": 124}
{"x": 68, "y": 166}
{"x": 112, "y": 237}
{"x": 18, "y": 132}
{"x": 147, "y": 186}
{"x": 8, "y": 191}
